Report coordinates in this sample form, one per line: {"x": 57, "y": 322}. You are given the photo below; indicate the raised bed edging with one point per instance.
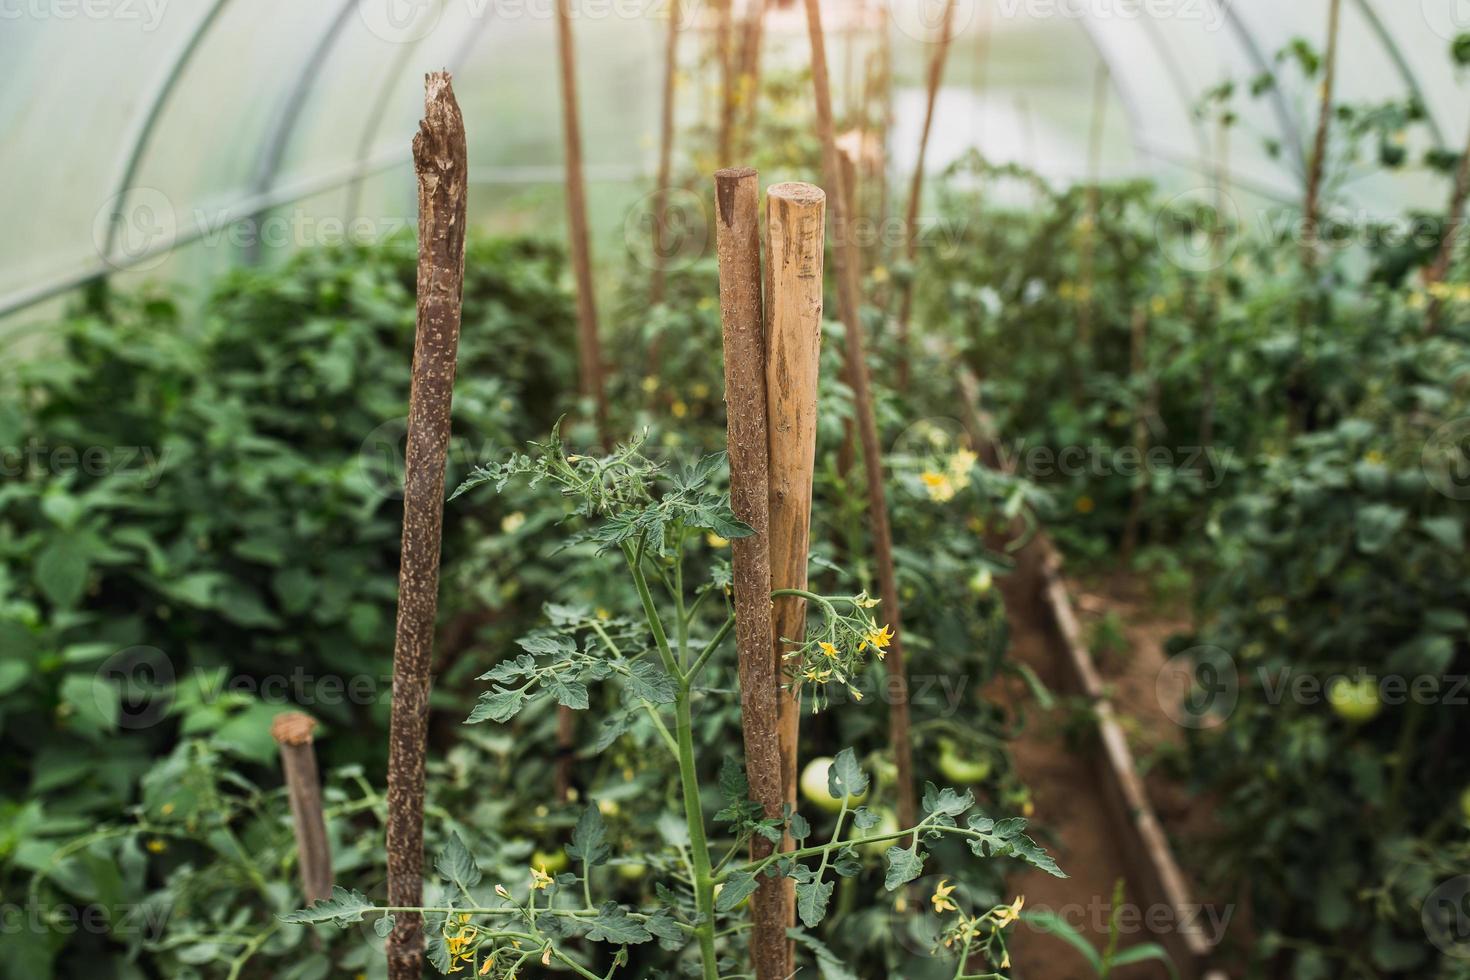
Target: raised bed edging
{"x": 1153, "y": 872}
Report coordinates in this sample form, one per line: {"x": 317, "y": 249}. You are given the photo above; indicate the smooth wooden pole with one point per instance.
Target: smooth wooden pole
{"x": 665, "y": 155}
{"x": 738, "y": 245}
{"x": 916, "y": 189}
{"x": 589, "y": 345}
{"x": 845, "y": 257}
{"x": 293, "y": 734}
{"x": 440, "y": 163}
{"x": 795, "y": 218}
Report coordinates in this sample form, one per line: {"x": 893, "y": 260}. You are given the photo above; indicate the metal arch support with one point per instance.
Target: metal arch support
{"x": 1181, "y": 84}
{"x": 142, "y": 134}
{"x": 1411, "y": 78}
{"x": 1291, "y": 132}
{"x": 1130, "y": 104}
{"x": 285, "y": 124}
{"x": 385, "y": 91}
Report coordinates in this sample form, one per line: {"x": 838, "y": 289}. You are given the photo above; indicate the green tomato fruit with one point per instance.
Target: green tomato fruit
{"x": 551, "y": 862}
{"x": 981, "y": 581}
{"x": 632, "y": 870}
{"x": 1461, "y": 49}
{"x": 814, "y": 787}
{"x": 887, "y": 824}
{"x": 959, "y": 768}
{"x": 1354, "y": 701}
{"x": 721, "y": 887}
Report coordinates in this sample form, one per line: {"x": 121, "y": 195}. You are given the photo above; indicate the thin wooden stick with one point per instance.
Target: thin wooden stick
{"x": 589, "y": 345}
{"x": 1317, "y": 165}
{"x": 795, "y": 217}
{"x": 439, "y": 160}
{"x": 1088, "y": 259}
{"x": 845, "y": 256}
{"x": 750, "y": 76}
{"x": 1138, "y": 365}
{"x": 1453, "y": 227}
{"x": 665, "y": 156}
{"x": 916, "y": 190}
{"x": 724, "y": 42}
{"x": 292, "y": 732}
{"x": 738, "y": 245}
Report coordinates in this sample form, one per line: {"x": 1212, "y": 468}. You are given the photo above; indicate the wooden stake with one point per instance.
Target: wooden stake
{"x": 292, "y": 732}
{"x": 795, "y": 217}
{"x": 724, "y": 41}
{"x": 1139, "y": 369}
{"x": 589, "y": 346}
{"x": 1453, "y": 226}
{"x": 1088, "y": 259}
{"x": 439, "y": 161}
{"x": 750, "y": 76}
{"x": 1316, "y": 167}
{"x": 665, "y": 155}
{"x": 738, "y": 244}
{"x": 916, "y": 190}
{"x": 845, "y": 256}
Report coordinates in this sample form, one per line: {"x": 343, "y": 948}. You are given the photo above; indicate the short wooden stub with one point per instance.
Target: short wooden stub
{"x": 738, "y": 244}
{"x": 292, "y": 732}
{"x": 439, "y": 161}
{"x": 796, "y": 218}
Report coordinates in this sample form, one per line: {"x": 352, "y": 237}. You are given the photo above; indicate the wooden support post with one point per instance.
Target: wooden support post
{"x": 845, "y": 256}
{"x": 738, "y": 244}
{"x": 439, "y": 161}
{"x": 725, "y": 54}
{"x": 1454, "y": 225}
{"x": 665, "y": 159}
{"x": 292, "y": 732}
{"x": 750, "y": 77}
{"x": 1138, "y": 373}
{"x": 589, "y": 345}
{"x": 1087, "y": 285}
{"x": 795, "y": 218}
{"x": 916, "y": 190}
{"x": 1317, "y": 163}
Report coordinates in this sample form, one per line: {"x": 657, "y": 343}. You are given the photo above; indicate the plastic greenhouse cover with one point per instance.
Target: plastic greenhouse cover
{"x": 142, "y": 126}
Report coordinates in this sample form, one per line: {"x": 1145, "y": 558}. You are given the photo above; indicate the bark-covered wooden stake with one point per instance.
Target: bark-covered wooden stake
{"x": 589, "y": 345}
{"x": 725, "y": 54}
{"x": 845, "y": 257}
{"x": 1454, "y": 225}
{"x": 795, "y": 219}
{"x": 292, "y": 732}
{"x": 1317, "y": 164}
{"x": 665, "y": 157}
{"x": 439, "y": 161}
{"x": 738, "y": 244}
{"x": 916, "y": 189}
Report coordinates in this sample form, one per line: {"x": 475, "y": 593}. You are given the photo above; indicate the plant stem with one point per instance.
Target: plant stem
{"x": 704, "y": 888}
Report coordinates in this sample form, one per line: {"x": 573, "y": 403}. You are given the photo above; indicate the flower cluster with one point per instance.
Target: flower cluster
{"x": 945, "y": 481}
{"x": 984, "y": 933}
{"x": 837, "y": 652}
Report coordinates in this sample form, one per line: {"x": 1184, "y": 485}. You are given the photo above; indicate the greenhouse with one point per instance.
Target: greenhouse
{"x": 735, "y": 489}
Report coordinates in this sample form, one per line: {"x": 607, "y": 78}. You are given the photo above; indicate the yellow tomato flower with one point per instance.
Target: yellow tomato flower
{"x": 941, "y": 898}
{"x": 880, "y": 638}
{"x": 1373, "y": 456}
{"x": 679, "y": 409}
{"x": 540, "y": 879}
{"x": 1010, "y": 913}
{"x": 827, "y": 648}
{"x": 650, "y": 384}
{"x": 157, "y": 846}
{"x": 866, "y": 601}
{"x": 941, "y": 488}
